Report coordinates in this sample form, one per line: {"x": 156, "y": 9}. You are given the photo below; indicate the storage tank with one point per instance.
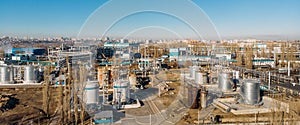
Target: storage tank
{"x": 225, "y": 81}
{"x": 121, "y": 92}
{"x": 15, "y": 70}
{"x": 11, "y": 74}
{"x": 4, "y": 75}
{"x": 201, "y": 78}
{"x": 29, "y": 74}
{"x": 198, "y": 78}
{"x": 250, "y": 92}
{"x": 194, "y": 70}
{"x": 91, "y": 92}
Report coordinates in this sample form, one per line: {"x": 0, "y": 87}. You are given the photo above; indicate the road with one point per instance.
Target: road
{"x": 169, "y": 115}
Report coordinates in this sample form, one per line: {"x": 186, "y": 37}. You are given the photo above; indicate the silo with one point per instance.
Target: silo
{"x": 121, "y": 92}
{"x": 91, "y": 92}
{"x": 250, "y": 92}
{"x": 225, "y": 81}
{"x": 29, "y": 74}
{"x": 4, "y": 75}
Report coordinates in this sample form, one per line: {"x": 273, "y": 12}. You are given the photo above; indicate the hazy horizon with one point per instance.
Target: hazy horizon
{"x": 232, "y": 19}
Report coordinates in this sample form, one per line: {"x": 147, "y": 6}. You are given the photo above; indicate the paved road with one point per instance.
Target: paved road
{"x": 170, "y": 115}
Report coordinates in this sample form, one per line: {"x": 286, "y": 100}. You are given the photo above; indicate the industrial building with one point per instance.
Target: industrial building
{"x": 83, "y": 83}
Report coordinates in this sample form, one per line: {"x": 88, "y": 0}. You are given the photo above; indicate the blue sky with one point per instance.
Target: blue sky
{"x": 262, "y": 19}
{"x": 254, "y": 18}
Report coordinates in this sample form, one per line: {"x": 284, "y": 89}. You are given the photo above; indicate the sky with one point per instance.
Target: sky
{"x": 232, "y": 19}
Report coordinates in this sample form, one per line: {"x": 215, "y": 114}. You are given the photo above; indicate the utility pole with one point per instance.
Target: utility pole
{"x": 269, "y": 82}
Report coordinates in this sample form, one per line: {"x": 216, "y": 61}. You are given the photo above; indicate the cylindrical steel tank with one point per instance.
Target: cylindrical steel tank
{"x": 195, "y": 69}
{"x": 201, "y": 78}
{"x": 15, "y": 70}
{"x": 121, "y": 92}
{"x": 250, "y": 92}
{"x": 29, "y": 74}
{"x": 225, "y": 81}
{"x": 91, "y": 95}
{"x": 4, "y": 75}
{"x": 198, "y": 78}
{"x": 11, "y": 74}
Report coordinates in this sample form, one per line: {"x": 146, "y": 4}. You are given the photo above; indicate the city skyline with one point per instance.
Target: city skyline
{"x": 232, "y": 19}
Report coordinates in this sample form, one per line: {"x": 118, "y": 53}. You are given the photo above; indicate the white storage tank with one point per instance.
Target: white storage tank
{"x": 121, "y": 92}
{"x": 29, "y": 74}
{"x": 11, "y": 74}
{"x": 198, "y": 78}
{"x": 201, "y": 78}
{"x": 91, "y": 92}
{"x": 193, "y": 71}
{"x": 4, "y": 75}
{"x": 15, "y": 70}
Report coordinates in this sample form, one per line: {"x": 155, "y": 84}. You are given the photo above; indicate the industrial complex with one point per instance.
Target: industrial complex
{"x": 122, "y": 81}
